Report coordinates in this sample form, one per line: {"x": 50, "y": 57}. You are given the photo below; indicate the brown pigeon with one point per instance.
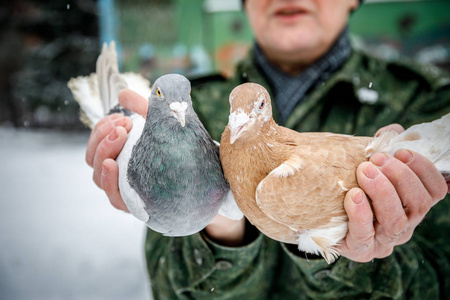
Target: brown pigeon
{"x": 291, "y": 185}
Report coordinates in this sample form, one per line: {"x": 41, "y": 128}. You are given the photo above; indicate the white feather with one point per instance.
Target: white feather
{"x": 341, "y": 184}
{"x": 85, "y": 91}
{"x": 134, "y": 203}
{"x": 137, "y": 84}
{"x": 330, "y": 234}
{"x": 229, "y": 208}
{"x": 431, "y": 140}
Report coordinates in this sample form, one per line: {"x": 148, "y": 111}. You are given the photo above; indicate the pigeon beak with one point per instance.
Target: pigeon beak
{"x": 179, "y": 110}
{"x": 236, "y": 123}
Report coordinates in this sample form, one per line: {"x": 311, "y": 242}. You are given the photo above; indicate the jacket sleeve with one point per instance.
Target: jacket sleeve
{"x": 194, "y": 267}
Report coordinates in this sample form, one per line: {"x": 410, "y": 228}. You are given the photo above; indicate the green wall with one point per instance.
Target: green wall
{"x": 174, "y": 28}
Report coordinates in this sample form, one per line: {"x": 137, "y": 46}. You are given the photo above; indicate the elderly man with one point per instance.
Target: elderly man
{"x": 318, "y": 83}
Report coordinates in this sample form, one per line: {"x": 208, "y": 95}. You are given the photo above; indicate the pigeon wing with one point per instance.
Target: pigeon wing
{"x": 295, "y": 196}
{"x": 295, "y": 193}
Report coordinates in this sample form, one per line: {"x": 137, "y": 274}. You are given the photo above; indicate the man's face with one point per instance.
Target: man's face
{"x": 297, "y": 30}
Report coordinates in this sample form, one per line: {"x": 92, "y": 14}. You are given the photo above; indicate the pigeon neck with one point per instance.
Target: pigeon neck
{"x": 269, "y": 150}
{"x": 278, "y": 144}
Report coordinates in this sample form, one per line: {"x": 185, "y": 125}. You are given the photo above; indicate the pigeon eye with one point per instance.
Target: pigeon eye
{"x": 158, "y": 92}
{"x": 261, "y": 106}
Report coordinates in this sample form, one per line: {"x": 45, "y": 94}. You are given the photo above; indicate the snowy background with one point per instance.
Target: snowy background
{"x": 59, "y": 236}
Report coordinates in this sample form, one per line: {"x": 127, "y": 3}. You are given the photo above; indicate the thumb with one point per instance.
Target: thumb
{"x": 133, "y": 102}
{"x": 360, "y": 215}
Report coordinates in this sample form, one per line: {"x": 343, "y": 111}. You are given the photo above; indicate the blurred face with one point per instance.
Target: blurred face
{"x": 294, "y": 33}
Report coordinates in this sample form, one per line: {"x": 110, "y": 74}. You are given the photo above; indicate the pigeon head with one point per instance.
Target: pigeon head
{"x": 171, "y": 97}
{"x": 250, "y": 109}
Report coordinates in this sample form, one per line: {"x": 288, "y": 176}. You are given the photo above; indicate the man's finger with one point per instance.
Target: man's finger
{"x": 101, "y": 130}
{"x": 133, "y": 102}
{"x": 109, "y": 182}
{"x": 109, "y": 147}
{"x": 392, "y": 127}
{"x": 414, "y": 197}
{"x": 360, "y": 221}
{"x": 108, "y": 118}
{"x": 430, "y": 177}
{"x": 387, "y": 207}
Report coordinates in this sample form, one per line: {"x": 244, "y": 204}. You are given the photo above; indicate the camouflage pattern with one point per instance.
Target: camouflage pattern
{"x": 364, "y": 95}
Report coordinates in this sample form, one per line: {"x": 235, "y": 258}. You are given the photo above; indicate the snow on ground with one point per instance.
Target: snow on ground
{"x": 59, "y": 236}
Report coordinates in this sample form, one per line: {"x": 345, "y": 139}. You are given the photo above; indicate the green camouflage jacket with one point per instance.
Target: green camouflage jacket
{"x": 364, "y": 95}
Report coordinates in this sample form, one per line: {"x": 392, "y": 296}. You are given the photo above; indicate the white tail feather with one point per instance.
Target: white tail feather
{"x": 431, "y": 140}
{"x": 98, "y": 93}
{"x": 85, "y": 91}
{"x": 109, "y": 78}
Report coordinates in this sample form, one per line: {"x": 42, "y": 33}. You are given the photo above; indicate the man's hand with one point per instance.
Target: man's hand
{"x": 402, "y": 189}
{"x": 105, "y": 143}
{"x": 226, "y": 232}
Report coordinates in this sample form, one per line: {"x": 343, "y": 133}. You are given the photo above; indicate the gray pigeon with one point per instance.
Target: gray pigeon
{"x": 170, "y": 176}
{"x": 174, "y": 166}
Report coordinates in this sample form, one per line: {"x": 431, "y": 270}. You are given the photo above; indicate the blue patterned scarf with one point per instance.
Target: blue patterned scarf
{"x": 289, "y": 90}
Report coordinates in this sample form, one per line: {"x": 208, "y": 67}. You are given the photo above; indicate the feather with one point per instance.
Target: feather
{"x": 98, "y": 93}
{"x": 85, "y": 91}
{"x": 431, "y": 140}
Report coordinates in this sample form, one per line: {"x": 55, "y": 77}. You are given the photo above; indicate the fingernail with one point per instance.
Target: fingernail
{"x": 113, "y": 135}
{"x": 378, "y": 133}
{"x": 119, "y": 121}
{"x": 105, "y": 170}
{"x": 357, "y": 198}
{"x": 370, "y": 171}
{"x": 404, "y": 156}
{"x": 116, "y": 116}
{"x": 379, "y": 159}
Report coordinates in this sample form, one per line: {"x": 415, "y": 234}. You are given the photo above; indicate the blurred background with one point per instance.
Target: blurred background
{"x": 59, "y": 237}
